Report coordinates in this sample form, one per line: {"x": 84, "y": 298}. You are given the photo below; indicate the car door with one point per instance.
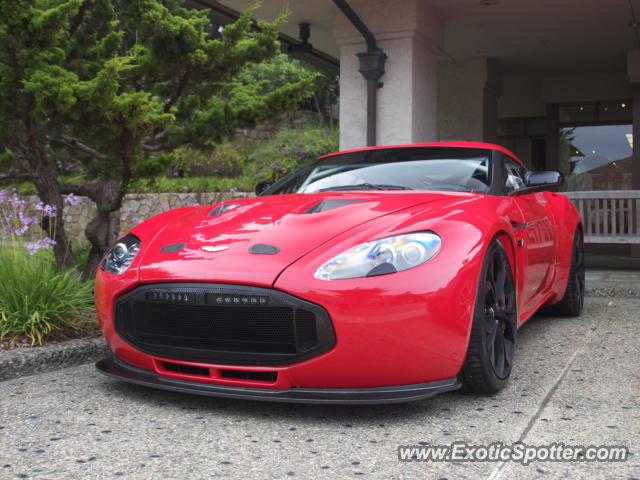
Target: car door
{"x": 534, "y": 231}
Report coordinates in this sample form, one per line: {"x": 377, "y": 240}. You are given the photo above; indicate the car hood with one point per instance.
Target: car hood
{"x": 203, "y": 245}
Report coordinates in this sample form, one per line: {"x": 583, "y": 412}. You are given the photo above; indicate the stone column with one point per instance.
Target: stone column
{"x": 633, "y": 71}
{"x": 410, "y": 35}
{"x": 468, "y": 91}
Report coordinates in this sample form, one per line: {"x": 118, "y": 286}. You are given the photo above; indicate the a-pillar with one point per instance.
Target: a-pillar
{"x": 407, "y": 103}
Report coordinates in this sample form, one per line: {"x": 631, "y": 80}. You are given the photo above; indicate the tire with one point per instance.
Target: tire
{"x": 492, "y": 342}
{"x": 573, "y": 299}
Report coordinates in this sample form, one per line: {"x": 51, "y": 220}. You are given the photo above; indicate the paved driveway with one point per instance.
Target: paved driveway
{"x": 577, "y": 382}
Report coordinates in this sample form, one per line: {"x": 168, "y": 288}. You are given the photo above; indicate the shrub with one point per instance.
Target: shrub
{"x": 38, "y": 298}
{"x": 291, "y": 148}
{"x": 224, "y": 161}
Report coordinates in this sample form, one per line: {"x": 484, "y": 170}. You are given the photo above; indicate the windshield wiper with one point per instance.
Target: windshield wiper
{"x": 365, "y": 186}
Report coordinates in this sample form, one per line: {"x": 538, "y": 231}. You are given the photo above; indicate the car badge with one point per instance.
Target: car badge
{"x": 214, "y": 248}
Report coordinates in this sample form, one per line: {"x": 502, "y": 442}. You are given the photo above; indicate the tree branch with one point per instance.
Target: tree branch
{"x": 77, "y": 21}
{"x": 85, "y": 189}
{"x": 179, "y": 89}
{"x": 154, "y": 137}
{"x": 77, "y": 144}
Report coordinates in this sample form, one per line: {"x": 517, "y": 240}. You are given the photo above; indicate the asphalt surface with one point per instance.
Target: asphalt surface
{"x": 576, "y": 382}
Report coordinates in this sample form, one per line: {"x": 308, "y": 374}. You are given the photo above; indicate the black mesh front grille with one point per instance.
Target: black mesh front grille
{"x": 222, "y": 324}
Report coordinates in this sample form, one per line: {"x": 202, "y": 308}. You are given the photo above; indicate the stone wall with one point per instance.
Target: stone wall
{"x": 137, "y": 207}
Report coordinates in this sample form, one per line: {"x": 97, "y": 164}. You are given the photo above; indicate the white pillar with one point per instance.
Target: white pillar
{"x": 407, "y": 103}
{"x": 468, "y": 92}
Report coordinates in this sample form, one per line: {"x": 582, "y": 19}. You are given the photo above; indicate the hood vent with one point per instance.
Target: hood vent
{"x": 223, "y": 207}
{"x": 325, "y": 205}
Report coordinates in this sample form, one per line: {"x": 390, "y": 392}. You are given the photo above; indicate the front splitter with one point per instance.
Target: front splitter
{"x": 116, "y": 368}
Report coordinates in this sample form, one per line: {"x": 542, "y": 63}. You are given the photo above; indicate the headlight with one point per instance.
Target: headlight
{"x": 379, "y": 257}
{"x": 120, "y": 256}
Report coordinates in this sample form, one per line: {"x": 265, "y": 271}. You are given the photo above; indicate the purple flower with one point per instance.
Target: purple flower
{"x": 49, "y": 211}
{"x": 46, "y": 242}
{"x": 4, "y": 196}
{"x": 71, "y": 199}
{"x": 164, "y": 208}
{"x": 136, "y": 220}
{"x": 233, "y": 189}
{"x": 15, "y": 201}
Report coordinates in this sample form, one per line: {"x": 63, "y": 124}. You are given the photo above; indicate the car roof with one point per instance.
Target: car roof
{"x": 479, "y": 145}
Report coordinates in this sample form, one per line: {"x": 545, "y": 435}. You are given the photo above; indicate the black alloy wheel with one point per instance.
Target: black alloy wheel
{"x": 492, "y": 343}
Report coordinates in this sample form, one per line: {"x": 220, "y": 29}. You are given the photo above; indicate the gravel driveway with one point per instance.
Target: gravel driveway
{"x": 576, "y": 381}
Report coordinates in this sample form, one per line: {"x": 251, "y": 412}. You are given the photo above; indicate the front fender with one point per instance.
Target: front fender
{"x": 421, "y": 317}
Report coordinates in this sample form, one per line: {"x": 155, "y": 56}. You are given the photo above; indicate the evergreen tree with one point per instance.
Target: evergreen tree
{"x": 122, "y": 85}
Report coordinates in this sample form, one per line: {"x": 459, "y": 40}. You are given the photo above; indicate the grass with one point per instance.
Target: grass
{"x": 38, "y": 300}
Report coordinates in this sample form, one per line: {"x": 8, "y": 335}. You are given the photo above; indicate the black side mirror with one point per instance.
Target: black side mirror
{"x": 537, "y": 181}
{"x": 544, "y": 179}
{"x": 262, "y": 186}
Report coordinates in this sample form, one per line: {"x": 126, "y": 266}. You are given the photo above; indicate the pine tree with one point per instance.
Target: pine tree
{"x": 122, "y": 86}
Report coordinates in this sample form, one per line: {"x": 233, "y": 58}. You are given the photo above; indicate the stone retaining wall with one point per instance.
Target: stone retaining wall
{"x": 136, "y": 208}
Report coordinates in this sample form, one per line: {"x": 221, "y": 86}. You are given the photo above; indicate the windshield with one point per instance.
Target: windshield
{"x": 408, "y": 168}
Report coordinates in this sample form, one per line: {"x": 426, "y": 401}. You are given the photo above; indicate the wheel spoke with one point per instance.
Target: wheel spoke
{"x": 500, "y": 279}
{"x": 509, "y": 350}
{"x": 492, "y": 353}
{"x": 492, "y": 332}
{"x": 499, "y": 361}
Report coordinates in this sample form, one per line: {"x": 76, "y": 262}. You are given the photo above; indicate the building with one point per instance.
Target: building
{"x": 556, "y": 82}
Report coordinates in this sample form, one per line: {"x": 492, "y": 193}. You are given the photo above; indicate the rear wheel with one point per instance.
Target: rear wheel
{"x": 573, "y": 300}
{"x": 492, "y": 342}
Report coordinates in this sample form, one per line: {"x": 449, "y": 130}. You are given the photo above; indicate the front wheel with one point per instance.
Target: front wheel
{"x": 492, "y": 342}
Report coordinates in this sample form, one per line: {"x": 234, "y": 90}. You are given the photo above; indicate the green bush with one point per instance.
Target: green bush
{"x": 291, "y": 148}
{"x": 224, "y": 161}
{"x": 245, "y": 183}
{"x": 37, "y": 298}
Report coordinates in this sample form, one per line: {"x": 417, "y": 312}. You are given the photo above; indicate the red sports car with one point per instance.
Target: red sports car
{"x": 374, "y": 275}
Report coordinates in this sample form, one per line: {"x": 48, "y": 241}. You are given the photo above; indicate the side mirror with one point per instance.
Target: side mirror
{"x": 544, "y": 179}
{"x": 537, "y": 181}
{"x": 262, "y": 186}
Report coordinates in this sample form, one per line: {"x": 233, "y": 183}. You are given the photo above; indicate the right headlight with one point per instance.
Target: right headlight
{"x": 381, "y": 257}
{"x": 119, "y": 257}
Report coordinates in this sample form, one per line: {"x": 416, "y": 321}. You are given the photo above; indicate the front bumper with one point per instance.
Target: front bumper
{"x": 116, "y": 368}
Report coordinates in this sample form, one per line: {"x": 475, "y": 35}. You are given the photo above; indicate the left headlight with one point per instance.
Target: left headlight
{"x": 119, "y": 257}
{"x": 379, "y": 257}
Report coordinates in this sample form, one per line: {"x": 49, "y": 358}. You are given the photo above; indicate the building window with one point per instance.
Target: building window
{"x": 596, "y": 144}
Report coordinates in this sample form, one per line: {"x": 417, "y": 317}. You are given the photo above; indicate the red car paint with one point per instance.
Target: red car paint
{"x": 404, "y": 328}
